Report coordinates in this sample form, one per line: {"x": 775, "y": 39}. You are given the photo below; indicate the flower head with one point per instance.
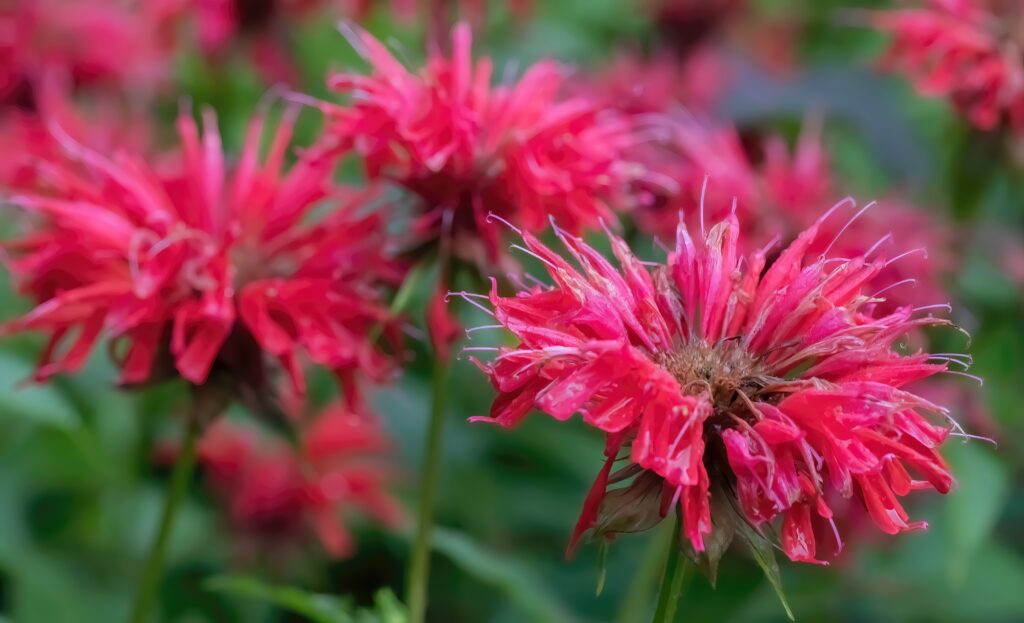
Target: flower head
{"x": 966, "y": 50}
{"x": 200, "y": 267}
{"x": 724, "y": 382}
{"x": 273, "y": 492}
{"x": 464, "y": 148}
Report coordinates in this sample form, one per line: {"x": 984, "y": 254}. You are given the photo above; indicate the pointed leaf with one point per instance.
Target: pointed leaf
{"x": 602, "y": 566}
{"x": 764, "y": 555}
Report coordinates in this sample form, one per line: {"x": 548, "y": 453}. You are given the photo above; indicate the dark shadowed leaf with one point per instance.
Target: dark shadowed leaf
{"x": 502, "y": 573}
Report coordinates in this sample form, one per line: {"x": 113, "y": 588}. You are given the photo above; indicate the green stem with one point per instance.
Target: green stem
{"x": 419, "y": 565}
{"x": 176, "y": 490}
{"x": 672, "y": 580}
{"x": 636, "y": 603}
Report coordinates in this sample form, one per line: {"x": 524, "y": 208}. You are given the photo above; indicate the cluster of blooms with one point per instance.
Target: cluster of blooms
{"x": 971, "y": 51}
{"x": 764, "y": 383}
{"x": 53, "y": 49}
{"x": 213, "y": 273}
{"x": 273, "y": 494}
{"x": 765, "y": 387}
{"x": 85, "y": 40}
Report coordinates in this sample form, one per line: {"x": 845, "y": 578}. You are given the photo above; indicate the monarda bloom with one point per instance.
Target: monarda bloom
{"x": 463, "y": 148}
{"x": 738, "y": 393}
{"x": 274, "y": 494}
{"x": 199, "y": 268}
{"x": 966, "y": 50}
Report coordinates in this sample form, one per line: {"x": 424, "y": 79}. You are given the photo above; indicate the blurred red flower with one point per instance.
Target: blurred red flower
{"x": 190, "y": 263}
{"x": 113, "y": 42}
{"x": 273, "y": 492}
{"x": 659, "y": 83}
{"x": 736, "y": 386}
{"x": 970, "y": 51}
{"x": 777, "y": 190}
{"x": 100, "y": 120}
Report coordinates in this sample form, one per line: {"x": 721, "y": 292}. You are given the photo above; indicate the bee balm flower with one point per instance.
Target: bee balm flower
{"x": 959, "y": 49}
{"x": 463, "y": 148}
{"x": 205, "y": 267}
{"x": 723, "y": 384}
{"x": 274, "y": 492}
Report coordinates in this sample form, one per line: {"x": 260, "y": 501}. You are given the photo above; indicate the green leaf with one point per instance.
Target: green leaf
{"x": 38, "y": 404}
{"x": 501, "y": 573}
{"x": 982, "y": 490}
{"x": 602, "y": 566}
{"x": 316, "y": 607}
{"x": 388, "y": 609}
{"x": 764, "y": 556}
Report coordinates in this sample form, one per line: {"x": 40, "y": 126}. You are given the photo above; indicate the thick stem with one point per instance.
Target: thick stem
{"x": 176, "y": 490}
{"x": 419, "y": 565}
{"x": 672, "y": 580}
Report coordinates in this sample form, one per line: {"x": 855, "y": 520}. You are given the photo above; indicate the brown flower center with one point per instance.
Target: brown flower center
{"x": 723, "y": 370}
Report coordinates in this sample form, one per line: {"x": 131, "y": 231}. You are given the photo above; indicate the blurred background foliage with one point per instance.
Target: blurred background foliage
{"x": 80, "y": 488}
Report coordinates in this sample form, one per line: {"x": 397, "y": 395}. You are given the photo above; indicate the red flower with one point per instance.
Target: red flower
{"x": 958, "y": 49}
{"x": 201, "y": 268}
{"x": 465, "y": 149}
{"x": 273, "y": 492}
{"x": 734, "y": 385}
